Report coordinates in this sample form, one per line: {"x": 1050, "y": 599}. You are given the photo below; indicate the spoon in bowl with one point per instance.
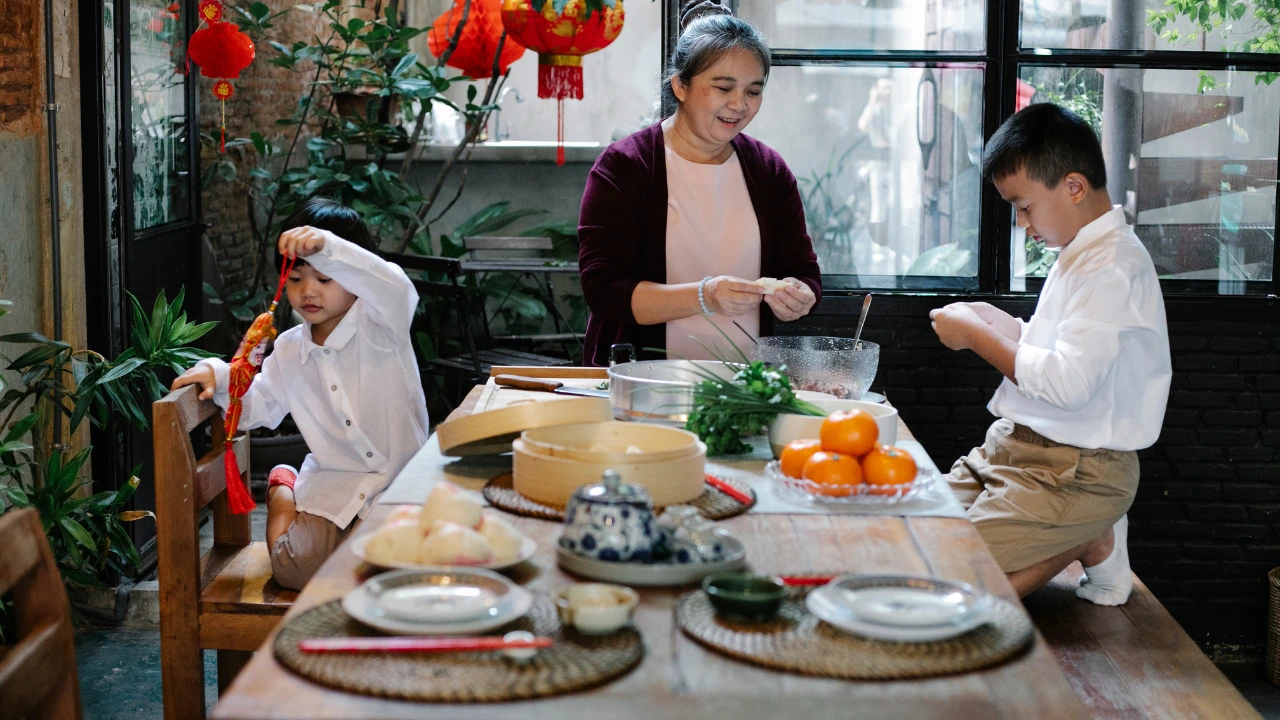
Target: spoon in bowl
{"x": 866, "y": 305}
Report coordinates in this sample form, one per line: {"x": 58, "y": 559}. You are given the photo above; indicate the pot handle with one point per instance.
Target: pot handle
{"x": 621, "y": 353}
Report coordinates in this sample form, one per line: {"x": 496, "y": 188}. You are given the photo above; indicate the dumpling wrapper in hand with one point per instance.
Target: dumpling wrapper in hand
{"x": 505, "y": 540}
{"x": 447, "y": 501}
{"x": 449, "y": 543}
{"x": 771, "y": 285}
{"x": 395, "y": 542}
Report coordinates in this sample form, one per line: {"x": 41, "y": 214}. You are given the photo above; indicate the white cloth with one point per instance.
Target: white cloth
{"x": 1093, "y": 362}
{"x": 711, "y": 230}
{"x": 357, "y": 399}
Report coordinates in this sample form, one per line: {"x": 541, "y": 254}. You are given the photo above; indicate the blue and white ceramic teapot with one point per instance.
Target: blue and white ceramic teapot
{"x": 611, "y": 521}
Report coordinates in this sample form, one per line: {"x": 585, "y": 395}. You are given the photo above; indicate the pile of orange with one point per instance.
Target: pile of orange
{"x": 846, "y": 455}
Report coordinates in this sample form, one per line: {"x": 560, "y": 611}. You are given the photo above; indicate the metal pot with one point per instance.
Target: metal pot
{"x": 660, "y": 391}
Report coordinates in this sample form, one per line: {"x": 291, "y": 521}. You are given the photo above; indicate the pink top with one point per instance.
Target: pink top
{"x": 711, "y": 230}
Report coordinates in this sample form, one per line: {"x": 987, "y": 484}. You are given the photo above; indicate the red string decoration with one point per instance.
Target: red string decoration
{"x": 222, "y": 51}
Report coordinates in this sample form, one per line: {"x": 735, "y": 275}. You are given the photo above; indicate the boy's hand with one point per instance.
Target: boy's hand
{"x": 1003, "y": 322}
{"x": 201, "y": 375}
{"x": 956, "y": 325}
{"x": 300, "y": 242}
{"x": 793, "y": 302}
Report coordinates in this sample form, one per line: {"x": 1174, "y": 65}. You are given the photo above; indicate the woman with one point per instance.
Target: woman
{"x": 680, "y": 218}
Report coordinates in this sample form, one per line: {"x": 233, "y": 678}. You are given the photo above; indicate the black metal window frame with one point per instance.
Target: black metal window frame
{"x": 1001, "y": 62}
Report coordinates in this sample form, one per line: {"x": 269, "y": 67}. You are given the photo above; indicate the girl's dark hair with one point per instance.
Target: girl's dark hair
{"x": 325, "y": 214}
{"x": 1048, "y": 142}
{"x": 704, "y": 41}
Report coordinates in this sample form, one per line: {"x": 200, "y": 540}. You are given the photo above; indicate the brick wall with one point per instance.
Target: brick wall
{"x": 1203, "y": 529}
{"x": 20, "y": 79}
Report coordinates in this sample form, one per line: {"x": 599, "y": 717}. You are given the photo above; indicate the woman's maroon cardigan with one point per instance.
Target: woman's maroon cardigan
{"x": 622, "y": 235}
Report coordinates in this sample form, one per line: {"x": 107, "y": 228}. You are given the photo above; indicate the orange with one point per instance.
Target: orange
{"x": 835, "y": 475}
{"x": 887, "y": 467}
{"x": 796, "y": 453}
{"x": 852, "y": 432}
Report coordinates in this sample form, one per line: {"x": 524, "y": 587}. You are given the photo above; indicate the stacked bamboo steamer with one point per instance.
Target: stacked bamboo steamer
{"x": 552, "y": 462}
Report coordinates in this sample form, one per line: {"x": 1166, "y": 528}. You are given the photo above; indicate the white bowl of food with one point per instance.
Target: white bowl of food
{"x": 787, "y": 427}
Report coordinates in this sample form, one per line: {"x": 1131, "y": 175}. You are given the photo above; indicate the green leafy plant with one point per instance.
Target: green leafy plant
{"x": 86, "y": 531}
{"x": 832, "y": 216}
{"x": 1223, "y": 17}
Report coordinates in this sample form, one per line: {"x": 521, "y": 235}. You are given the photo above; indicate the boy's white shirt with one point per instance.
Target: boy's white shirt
{"x": 357, "y": 399}
{"x": 1093, "y": 363}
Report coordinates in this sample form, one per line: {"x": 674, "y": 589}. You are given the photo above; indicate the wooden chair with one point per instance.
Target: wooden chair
{"x": 226, "y": 600}
{"x": 38, "y": 675}
{"x": 479, "y": 354}
{"x": 537, "y": 269}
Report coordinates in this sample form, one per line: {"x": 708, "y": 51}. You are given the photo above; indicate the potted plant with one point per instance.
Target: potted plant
{"x": 38, "y": 466}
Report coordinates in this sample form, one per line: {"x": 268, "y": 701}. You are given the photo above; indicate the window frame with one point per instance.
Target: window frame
{"x": 1001, "y": 63}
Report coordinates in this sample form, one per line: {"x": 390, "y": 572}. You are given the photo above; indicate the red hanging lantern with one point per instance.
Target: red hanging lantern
{"x": 478, "y": 42}
{"x": 561, "y": 39}
{"x": 221, "y": 51}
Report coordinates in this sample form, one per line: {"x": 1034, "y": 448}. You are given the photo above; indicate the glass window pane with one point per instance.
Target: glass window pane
{"x": 888, "y": 165}
{"x": 159, "y": 117}
{"x": 935, "y": 25}
{"x": 1148, "y": 25}
{"x": 1197, "y": 171}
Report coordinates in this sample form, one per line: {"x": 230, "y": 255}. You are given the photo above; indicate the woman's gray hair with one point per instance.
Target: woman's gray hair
{"x": 704, "y": 41}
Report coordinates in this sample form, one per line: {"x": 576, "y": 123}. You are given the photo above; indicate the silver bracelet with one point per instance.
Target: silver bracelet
{"x": 702, "y": 302}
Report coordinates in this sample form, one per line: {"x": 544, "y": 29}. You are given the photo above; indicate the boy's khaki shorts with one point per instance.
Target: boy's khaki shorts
{"x": 304, "y": 547}
{"x": 1032, "y": 498}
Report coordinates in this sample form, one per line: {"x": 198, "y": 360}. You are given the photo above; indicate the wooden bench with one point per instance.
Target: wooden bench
{"x": 1131, "y": 661}
{"x": 38, "y": 674}
{"x": 225, "y": 600}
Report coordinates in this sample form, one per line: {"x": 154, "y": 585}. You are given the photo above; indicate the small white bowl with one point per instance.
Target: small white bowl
{"x": 596, "y": 608}
{"x": 787, "y": 427}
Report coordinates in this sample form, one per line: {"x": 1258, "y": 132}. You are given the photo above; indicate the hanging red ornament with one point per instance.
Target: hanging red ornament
{"x": 479, "y": 40}
{"x": 561, "y": 39}
{"x": 222, "y": 51}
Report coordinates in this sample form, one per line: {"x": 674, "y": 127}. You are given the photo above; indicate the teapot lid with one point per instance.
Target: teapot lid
{"x": 612, "y": 490}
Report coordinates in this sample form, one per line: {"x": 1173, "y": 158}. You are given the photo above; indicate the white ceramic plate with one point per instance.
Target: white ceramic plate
{"x": 899, "y": 608}
{"x": 652, "y": 574}
{"x": 528, "y": 548}
{"x": 365, "y": 604}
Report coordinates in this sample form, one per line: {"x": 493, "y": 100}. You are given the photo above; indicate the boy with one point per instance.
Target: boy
{"x": 348, "y": 377}
{"x": 1086, "y": 379}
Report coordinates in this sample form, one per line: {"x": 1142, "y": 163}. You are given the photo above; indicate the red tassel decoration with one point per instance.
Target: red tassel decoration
{"x": 239, "y": 501}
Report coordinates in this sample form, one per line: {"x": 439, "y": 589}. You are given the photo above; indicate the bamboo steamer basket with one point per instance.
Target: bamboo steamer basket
{"x": 552, "y": 480}
{"x": 574, "y": 442}
{"x": 491, "y": 433}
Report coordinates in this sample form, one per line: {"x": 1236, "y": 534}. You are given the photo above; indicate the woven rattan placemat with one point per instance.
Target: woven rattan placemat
{"x": 712, "y": 503}
{"x": 797, "y": 641}
{"x": 575, "y": 662}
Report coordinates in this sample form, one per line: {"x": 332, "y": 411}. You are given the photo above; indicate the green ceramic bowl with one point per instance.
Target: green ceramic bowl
{"x": 746, "y": 596}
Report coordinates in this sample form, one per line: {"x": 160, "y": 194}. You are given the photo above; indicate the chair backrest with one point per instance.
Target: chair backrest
{"x": 493, "y": 242}
{"x": 450, "y": 288}
{"x": 38, "y": 676}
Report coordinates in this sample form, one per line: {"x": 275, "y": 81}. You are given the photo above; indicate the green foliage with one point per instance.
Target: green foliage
{"x": 831, "y": 215}
{"x": 1261, "y": 18}
{"x": 1080, "y": 92}
{"x": 726, "y": 411}
{"x": 87, "y": 533}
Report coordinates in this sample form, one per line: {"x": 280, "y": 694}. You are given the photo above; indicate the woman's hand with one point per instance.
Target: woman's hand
{"x": 731, "y": 296}
{"x": 300, "y": 242}
{"x": 201, "y": 375}
{"x": 791, "y": 303}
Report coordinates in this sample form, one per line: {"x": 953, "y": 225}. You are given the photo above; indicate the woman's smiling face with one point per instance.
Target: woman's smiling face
{"x": 723, "y": 99}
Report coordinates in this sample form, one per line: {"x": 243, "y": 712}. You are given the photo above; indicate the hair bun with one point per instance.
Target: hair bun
{"x": 699, "y": 9}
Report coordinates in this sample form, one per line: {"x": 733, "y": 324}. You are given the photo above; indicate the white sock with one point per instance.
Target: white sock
{"x": 1110, "y": 581}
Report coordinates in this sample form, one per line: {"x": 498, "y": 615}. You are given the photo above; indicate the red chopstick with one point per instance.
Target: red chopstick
{"x": 416, "y": 644}
{"x": 806, "y": 580}
{"x": 729, "y": 490}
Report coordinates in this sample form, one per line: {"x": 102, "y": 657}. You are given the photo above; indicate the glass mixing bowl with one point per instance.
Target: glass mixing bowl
{"x": 823, "y": 364}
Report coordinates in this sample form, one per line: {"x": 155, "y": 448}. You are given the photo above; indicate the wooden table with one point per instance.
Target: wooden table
{"x": 680, "y": 678}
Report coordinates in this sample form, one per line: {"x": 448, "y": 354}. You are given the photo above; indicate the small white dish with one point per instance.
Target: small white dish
{"x": 359, "y": 546}
{"x": 519, "y": 655}
{"x": 596, "y": 608}
{"x": 787, "y": 427}
{"x": 429, "y": 603}
{"x": 364, "y": 604}
{"x": 900, "y": 608}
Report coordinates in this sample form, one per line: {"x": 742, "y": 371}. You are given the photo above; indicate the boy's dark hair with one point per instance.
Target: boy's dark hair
{"x": 1048, "y": 142}
{"x": 325, "y": 214}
